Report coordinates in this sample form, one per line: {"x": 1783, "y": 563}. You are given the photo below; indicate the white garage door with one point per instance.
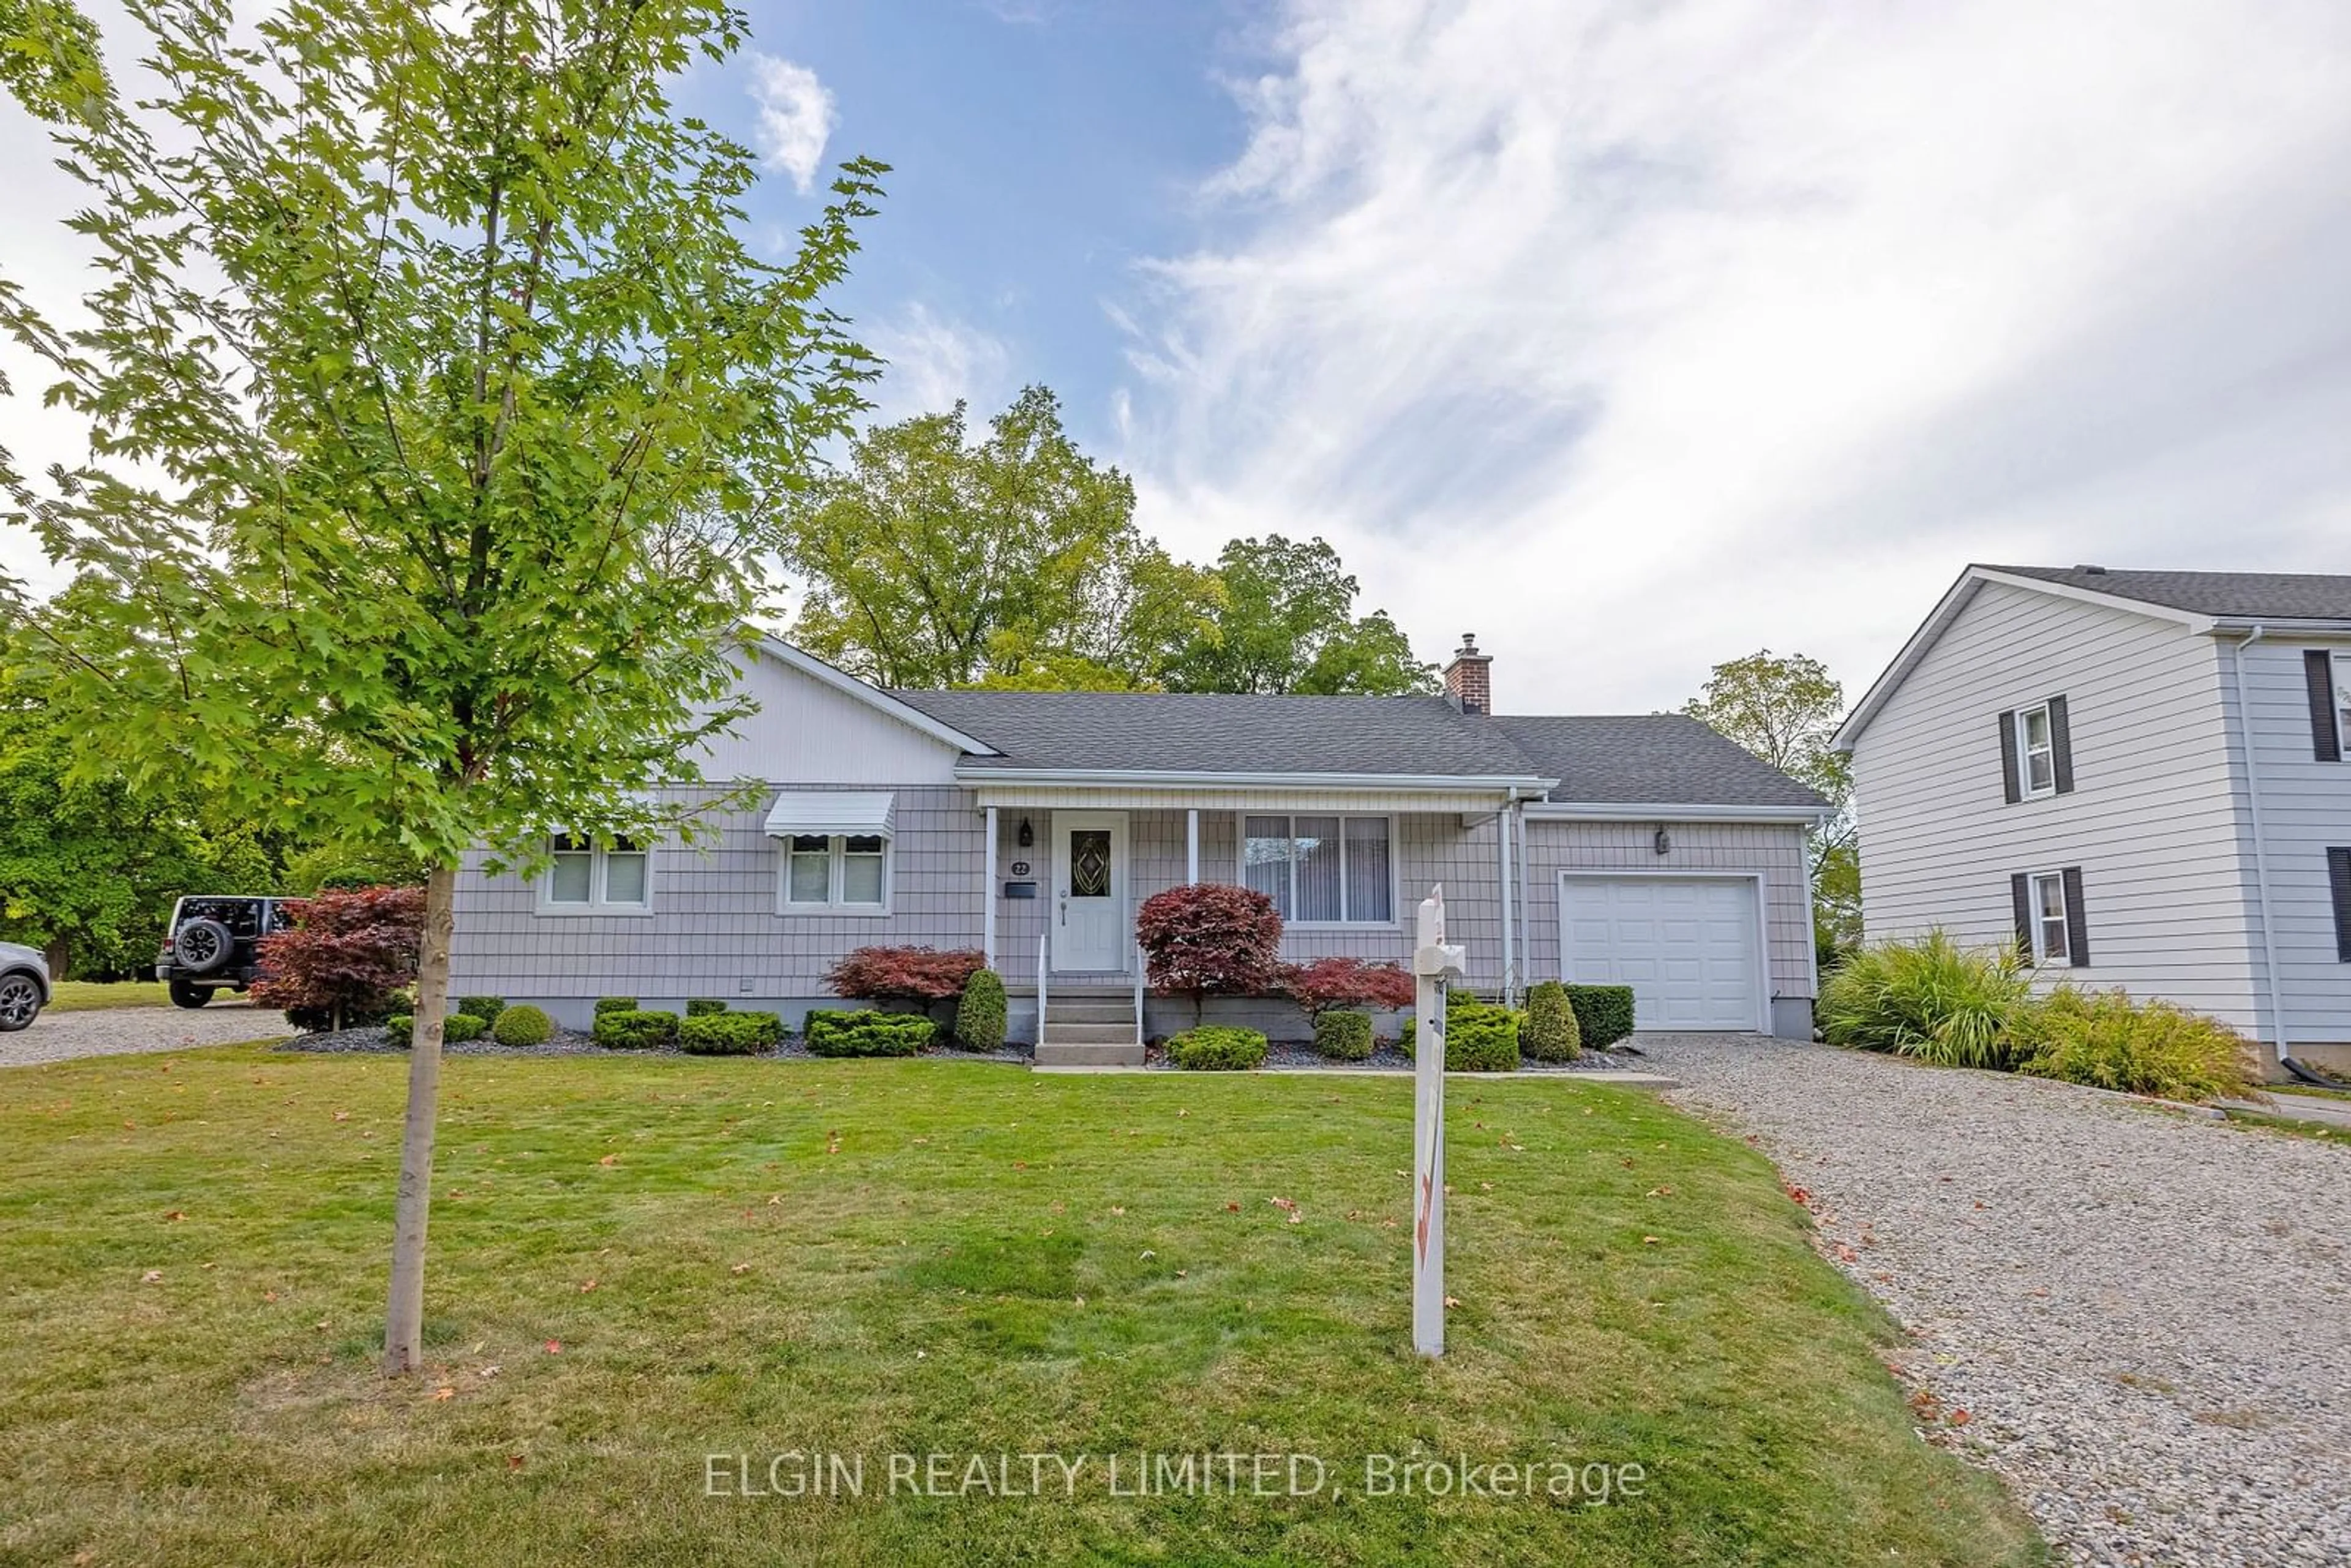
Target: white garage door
{"x": 1685, "y": 946}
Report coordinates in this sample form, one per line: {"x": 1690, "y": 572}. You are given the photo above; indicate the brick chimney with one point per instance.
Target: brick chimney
{"x": 1467, "y": 680}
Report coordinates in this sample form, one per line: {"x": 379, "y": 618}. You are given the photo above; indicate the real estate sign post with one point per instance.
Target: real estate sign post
{"x": 1434, "y": 964}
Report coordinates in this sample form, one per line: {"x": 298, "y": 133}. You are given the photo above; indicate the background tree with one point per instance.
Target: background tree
{"x": 439, "y": 425}
{"x": 1786, "y": 711}
{"x": 1285, "y": 622}
{"x": 930, "y": 559}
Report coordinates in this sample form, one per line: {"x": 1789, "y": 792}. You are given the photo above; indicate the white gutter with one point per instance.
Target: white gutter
{"x": 1654, "y": 811}
{"x": 1153, "y": 777}
{"x": 2261, "y": 840}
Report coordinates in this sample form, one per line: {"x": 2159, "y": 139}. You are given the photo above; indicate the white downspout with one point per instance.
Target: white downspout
{"x": 1502, "y": 842}
{"x": 2261, "y": 840}
{"x": 988, "y": 898}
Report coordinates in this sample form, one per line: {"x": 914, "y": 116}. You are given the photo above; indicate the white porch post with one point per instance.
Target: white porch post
{"x": 1435, "y": 965}
{"x": 1192, "y": 844}
{"x": 1509, "y": 949}
{"x": 987, "y": 897}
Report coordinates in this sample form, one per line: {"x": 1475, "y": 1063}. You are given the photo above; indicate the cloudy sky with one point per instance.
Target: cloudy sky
{"x": 1633, "y": 337}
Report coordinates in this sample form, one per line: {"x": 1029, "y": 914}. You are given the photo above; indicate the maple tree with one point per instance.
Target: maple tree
{"x": 903, "y": 974}
{"x": 1338, "y": 982}
{"x": 1210, "y": 938}
{"x": 346, "y": 953}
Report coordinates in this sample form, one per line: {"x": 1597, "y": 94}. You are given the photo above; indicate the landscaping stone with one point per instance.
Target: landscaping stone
{"x": 2144, "y": 1316}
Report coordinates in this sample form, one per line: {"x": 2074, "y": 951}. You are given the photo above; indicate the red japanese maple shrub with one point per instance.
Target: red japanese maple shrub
{"x": 346, "y": 951}
{"x": 1328, "y": 983}
{"x": 905, "y": 974}
{"x": 1209, "y": 938}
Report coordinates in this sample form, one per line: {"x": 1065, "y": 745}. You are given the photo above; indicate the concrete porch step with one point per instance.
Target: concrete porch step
{"x": 1104, "y": 1032}
{"x": 1105, "y": 1009}
{"x": 1105, "y": 1053}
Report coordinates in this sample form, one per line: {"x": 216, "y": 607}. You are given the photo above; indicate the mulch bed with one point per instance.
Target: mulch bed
{"x": 571, "y": 1042}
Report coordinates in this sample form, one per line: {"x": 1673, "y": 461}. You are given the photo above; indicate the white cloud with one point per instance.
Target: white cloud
{"x": 1637, "y": 337}
{"x": 796, "y": 117}
{"x": 934, "y": 359}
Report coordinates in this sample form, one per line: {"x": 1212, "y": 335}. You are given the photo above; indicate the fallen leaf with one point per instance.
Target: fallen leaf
{"x": 555, "y": 1347}
{"x": 320, "y": 1324}
{"x": 1082, "y": 1300}
{"x": 1232, "y": 1208}
{"x": 1282, "y": 1202}
{"x": 514, "y": 1462}
{"x": 1020, "y": 1165}
{"x": 587, "y": 1287}
{"x": 1183, "y": 1273}
{"x": 1452, "y": 1301}
{"x": 1650, "y": 1241}
{"x": 342, "y": 1116}
{"x": 1147, "y": 1255}
{"x": 1296, "y": 1218}
{"x": 740, "y": 1269}
{"x": 151, "y": 1277}
{"x": 268, "y": 1295}
{"x": 489, "y": 1371}
{"x": 1114, "y": 1209}
{"x": 444, "y": 1394}
{"x": 1960, "y": 1417}
{"x": 610, "y": 1160}
{"x": 175, "y": 1214}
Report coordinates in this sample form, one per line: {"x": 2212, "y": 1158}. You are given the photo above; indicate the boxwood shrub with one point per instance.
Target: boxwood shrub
{"x": 1216, "y": 1048}
{"x": 1479, "y": 1037}
{"x": 459, "y": 1027}
{"x": 979, "y": 1012}
{"x": 522, "y": 1026}
{"x": 1551, "y": 1032}
{"x": 1342, "y": 1034}
{"x": 400, "y": 1029}
{"x": 486, "y": 1008}
{"x": 833, "y": 1033}
{"x": 729, "y": 1034}
{"x": 1603, "y": 1014}
{"x": 703, "y": 1007}
{"x": 631, "y": 1030}
{"x": 615, "y": 1005}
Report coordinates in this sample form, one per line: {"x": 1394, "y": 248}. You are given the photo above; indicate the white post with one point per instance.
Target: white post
{"x": 1192, "y": 844}
{"x": 1509, "y": 941}
{"x": 1433, "y": 965}
{"x": 988, "y": 898}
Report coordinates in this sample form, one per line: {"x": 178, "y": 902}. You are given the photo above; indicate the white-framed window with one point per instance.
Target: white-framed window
{"x": 584, "y": 876}
{"x": 2052, "y": 941}
{"x": 840, "y": 873}
{"x": 1321, "y": 868}
{"x": 2342, "y": 702}
{"x": 2036, "y": 751}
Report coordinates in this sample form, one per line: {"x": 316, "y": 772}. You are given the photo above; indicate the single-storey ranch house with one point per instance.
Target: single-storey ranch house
{"x": 1643, "y": 850}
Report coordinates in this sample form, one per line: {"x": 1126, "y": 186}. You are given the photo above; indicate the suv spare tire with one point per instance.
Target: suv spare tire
{"x": 203, "y": 946}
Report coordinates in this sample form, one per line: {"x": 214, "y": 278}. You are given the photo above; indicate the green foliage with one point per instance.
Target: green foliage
{"x": 1480, "y": 1036}
{"x": 2106, "y": 1040}
{"x": 1216, "y": 1048}
{"x": 522, "y": 1026}
{"x": 344, "y": 865}
{"x": 397, "y": 1029}
{"x": 1603, "y": 1014}
{"x": 1342, "y": 1034}
{"x": 980, "y": 1012}
{"x": 864, "y": 1032}
{"x": 1285, "y": 622}
{"x": 729, "y": 1034}
{"x": 1929, "y": 1000}
{"x": 615, "y": 1005}
{"x": 1551, "y": 1032}
{"x": 935, "y": 560}
{"x": 457, "y": 1028}
{"x": 486, "y": 1008}
{"x": 698, "y": 1007}
{"x": 635, "y": 1030}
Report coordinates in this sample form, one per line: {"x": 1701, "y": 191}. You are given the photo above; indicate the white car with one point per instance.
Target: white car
{"x": 24, "y": 986}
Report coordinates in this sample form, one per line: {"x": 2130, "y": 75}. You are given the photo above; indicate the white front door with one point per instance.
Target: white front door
{"x": 1688, "y": 946}
{"x": 1090, "y": 919}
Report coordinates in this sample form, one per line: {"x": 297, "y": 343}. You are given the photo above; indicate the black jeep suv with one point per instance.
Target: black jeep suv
{"x": 212, "y": 945}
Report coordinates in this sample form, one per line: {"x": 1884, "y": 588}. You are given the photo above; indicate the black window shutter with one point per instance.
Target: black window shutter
{"x": 2009, "y": 786}
{"x": 2078, "y": 926}
{"x": 2318, "y": 670}
{"x": 2019, "y": 892}
{"x": 2338, "y": 878}
{"x": 2061, "y": 746}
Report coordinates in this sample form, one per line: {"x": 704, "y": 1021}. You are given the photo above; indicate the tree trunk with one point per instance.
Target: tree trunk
{"x": 403, "y": 1323}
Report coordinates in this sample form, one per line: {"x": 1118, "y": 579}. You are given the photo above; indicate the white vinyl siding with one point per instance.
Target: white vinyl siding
{"x": 2153, "y": 821}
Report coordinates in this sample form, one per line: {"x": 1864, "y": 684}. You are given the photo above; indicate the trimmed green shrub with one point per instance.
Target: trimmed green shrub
{"x": 615, "y": 1005}
{"x": 729, "y": 1034}
{"x": 1930, "y": 1000}
{"x": 486, "y": 1008}
{"x": 1479, "y": 1037}
{"x": 1550, "y": 1033}
{"x": 1342, "y": 1034}
{"x": 979, "y": 1012}
{"x": 703, "y": 1007}
{"x": 868, "y": 1033}
{"x": 1216, "y": 1048}
{"x": 2106, "y": 1040}
{"x": 522, "y": 1026}
{"x": 400, "y": 1029}
{"x": 459, "y": 1027}
{"x": 631, "y": 1030}
{"x": 1603, "y": 1014}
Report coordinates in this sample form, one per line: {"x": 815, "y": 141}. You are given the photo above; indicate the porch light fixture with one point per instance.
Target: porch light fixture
{"x": 1664, "y": 841}
{"x": 1026, "y": 836}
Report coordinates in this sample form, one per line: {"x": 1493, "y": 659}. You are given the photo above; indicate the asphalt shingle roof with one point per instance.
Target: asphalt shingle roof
{"x": 1662, "y": 758}
{"x": 2288, "y": 596}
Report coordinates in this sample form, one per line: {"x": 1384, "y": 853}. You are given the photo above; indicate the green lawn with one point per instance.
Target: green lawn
{"x": 84, "y": 996}
{"x": 926, "y": 1257}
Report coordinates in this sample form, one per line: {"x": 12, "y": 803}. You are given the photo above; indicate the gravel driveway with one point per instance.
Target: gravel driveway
{"x": 117, "y": 1031}
{"x": 2146, "y": 1317}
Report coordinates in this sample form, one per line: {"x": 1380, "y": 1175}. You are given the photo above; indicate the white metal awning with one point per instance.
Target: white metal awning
{"x": 829, "y": 812}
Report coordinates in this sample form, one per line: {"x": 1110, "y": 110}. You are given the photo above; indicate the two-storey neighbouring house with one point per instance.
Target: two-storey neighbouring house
{"x": 2138, "y": 776}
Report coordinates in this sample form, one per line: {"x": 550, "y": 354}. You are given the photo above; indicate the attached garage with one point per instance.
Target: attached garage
{"x": 1690, "y": 946}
